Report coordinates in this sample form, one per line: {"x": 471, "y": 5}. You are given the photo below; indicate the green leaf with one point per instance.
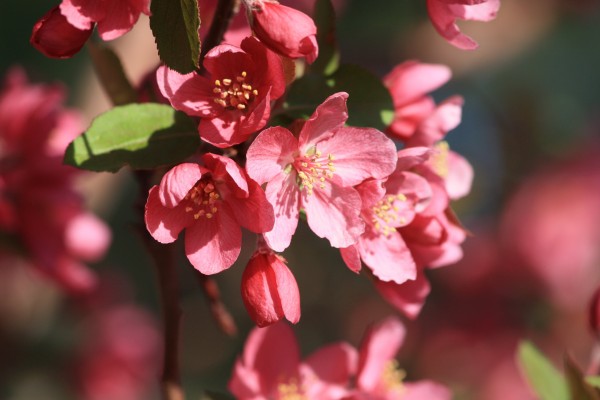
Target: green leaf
{"x": 369, "y": 103}
{"x": 543, "y": 378}
{"x": 142, "y": 136}
{"x": 593, "y": 380}
{"x": 329, "y": 55}
{"x": 175, "y": 25}
{"x": 578, "y": 387}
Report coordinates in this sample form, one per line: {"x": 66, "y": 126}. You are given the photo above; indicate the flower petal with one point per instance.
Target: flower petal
{"x": 388, "y": 257}
{"x": 328, "y": 116}
{"x": 177, "y": 182}
{"x": 269, "y": 154}
{"x": 189, "y": 93}
{"x": 408, "y": 297}
{"x": 163, "y": 223}
{"x": 282, "y": 192}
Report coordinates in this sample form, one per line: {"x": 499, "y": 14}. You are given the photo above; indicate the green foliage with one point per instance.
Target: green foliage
{"x": 541, "y": 375}
{"x": 175, "y": 25}
{"x": 329, "y": 55}
{"x": 578, "y": 387}
{"x": 369, "y": 102}
{"x": 142, "y": 136}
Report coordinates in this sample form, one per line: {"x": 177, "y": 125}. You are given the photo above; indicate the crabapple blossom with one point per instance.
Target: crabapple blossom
{"x": 211, "y": 202}
{"x": 285, "y": 30}
{"x": 234, "y": 100}
{"x": 386, "y": 206}
{"x": 38, "y": 204}
{"x": 317, "y": 172}
{"x": 55, "y": 37}
{"x": 444, "y": 13}
{"x": 269, "y": 289}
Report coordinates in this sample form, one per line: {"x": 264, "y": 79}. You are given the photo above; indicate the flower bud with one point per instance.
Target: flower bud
{"x": 285, "y": 30}
{"x": 269, "y": 289}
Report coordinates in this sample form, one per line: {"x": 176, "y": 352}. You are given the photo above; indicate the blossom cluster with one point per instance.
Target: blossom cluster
{"x": 385, "y": 208}
{"x": 271, "y": 368}
{"x": 41, "y": 213}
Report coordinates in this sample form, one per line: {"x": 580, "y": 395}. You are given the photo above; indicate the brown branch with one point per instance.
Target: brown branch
{"x": 217, "y": 308}
{"x": 220, "y": 23}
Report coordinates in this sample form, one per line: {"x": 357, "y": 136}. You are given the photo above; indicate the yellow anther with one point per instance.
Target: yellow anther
{"x": 226, "y": 82}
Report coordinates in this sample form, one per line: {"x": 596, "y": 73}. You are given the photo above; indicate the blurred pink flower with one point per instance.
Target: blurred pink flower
{"x": 270, "y": 368}
{"x": 285, "y": 30}
{"x": 212, "y": 202}
{"x": 317, "y": 172}
{"x": 234, "y": 101}
{"x": 269, "y": 289}
{"x": 551, "y": 226}
{"x": 444, "y": 13}
{"x": 38, "y": 205}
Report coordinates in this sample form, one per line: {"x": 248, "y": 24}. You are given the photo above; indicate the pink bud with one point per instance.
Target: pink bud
{"x": 269, "y": 289}
{"x": 285, "y": 30}
{"x": 55, "y": 37}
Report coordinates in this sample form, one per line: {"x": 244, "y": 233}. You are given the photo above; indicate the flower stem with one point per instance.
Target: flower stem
{"x": 217, "y": 308}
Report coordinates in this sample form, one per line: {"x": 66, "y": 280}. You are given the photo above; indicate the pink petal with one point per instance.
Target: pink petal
{"x": 227, "y": 61}
{"x": 444, "y": 15}
{"x": 87, "y": 237}
{"x": 388, "y": 257}
{"x": 429, "y": 390}
{"x": 189, "y": 93}
{"x": 284, "y": 196}
{"x": 254, "y": 213}
{"x": 412, "y": 80}
{"x": 269, "y": 290}
{"x": 244, "y": 382}
{"x": 360, "y": 153}
{"x": 351, "y": 257}
{"x": 328, "y": 116}
{"x": 71, "y": 9}
{"x": 270, "y": 153}
{"x": 273, "y": 353}
{"x": 434, "y": 128}
{"x": 415, "y": 188}
{"x": 268, "y": 63}
{"x": 55, "y": 37}
{"x": 335, "y": 363}
{"x": 333, "y": 213}
{"x": 213, "y": 245}
{"x": 164, "y": 224}
{"x": 226, "y": 169}
{"x": 411, "y": 157}
{"x": 408, "y": 297}
{"x": 177, "y": 182}
{"x": 379, "y": 346}
{"x": 460, "y": 176}
{"x": 119, "y": 19}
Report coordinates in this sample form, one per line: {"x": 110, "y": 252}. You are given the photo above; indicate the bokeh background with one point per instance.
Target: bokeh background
{"x": 530, "y": 128}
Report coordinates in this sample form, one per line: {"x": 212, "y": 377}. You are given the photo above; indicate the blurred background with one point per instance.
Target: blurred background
{"x": 531, "y": 130}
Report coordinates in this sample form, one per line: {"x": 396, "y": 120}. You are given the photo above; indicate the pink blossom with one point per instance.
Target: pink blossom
{"x": 409, "y": 83}
{"x": 317, "y": 171}
{"x": 270, "y": 368}
{"x": 269, "y": 289}
{"x": 285, "y": 30}
{"x": 234, "y": 100}
{"x": 378, "y": 375}
{"x": 39, "y": 207}
{"x": 55, "y": 37}
{"x": 387, "y": 205}
{"x": 113, "y": 17}
{"x": 212, "y": 202}
{"x": 444, "y": 13}
{"x": 408, "y": 297}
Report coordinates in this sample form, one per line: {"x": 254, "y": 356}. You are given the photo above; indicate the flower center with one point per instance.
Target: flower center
{"x": 392, "y": 377}
{"x": 385, "y": 214}
{"x": 234, "y": 93}
{"x": 439, "y": 159}
{"x": 203, "y": 200}
{"x": 313, "y": 169}
{"x": 290, "y": 391}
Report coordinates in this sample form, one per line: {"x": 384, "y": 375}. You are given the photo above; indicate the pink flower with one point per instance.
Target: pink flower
{"x": 409, "y": 297}
{"x": 386, "y": 206}
{"x": 55, "y": 37}
{"x": 212, "y": 202}
{"x": 409, "y": 83}
{"x": 269, "y": 289}
{"x": 317, "y": 171}
{"x": 285, "y": 30}
{"x": 39, "y": 208}
{"x": 270, "y": 368}
{"x": 444, "y": 13}
{"x": 113, "y": 17}
{"x": 378, "y": 376}
{"x": 234, "y": 101}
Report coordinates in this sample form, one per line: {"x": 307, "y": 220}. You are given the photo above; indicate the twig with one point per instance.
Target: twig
{"x": 217, "y": 308}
